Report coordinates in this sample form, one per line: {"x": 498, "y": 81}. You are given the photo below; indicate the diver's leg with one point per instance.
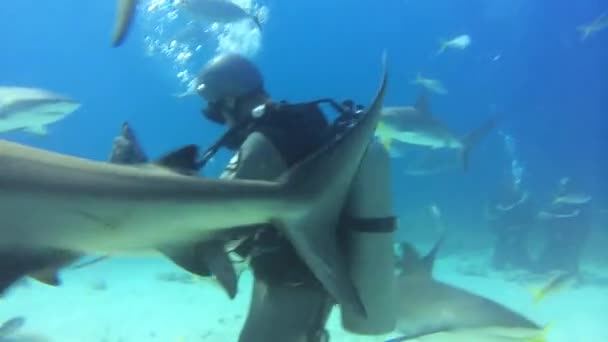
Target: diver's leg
{"x": 287, "y": 303}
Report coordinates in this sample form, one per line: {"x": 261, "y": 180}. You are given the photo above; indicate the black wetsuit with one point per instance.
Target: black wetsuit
{"x": 295, "y": 131}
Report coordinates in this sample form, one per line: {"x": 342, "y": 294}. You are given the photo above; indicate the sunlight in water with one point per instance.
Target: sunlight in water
{"x": 187, "y": 43}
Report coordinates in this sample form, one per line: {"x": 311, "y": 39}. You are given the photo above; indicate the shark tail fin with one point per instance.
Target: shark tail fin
{"x": 315, "y": 236}
{"x": 471, "y": 139}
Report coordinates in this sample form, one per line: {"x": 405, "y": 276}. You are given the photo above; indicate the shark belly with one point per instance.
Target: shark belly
{"x": 29, "y": 120}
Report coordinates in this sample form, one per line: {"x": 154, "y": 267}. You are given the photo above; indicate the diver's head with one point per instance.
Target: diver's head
{"x": 232, "y": 86}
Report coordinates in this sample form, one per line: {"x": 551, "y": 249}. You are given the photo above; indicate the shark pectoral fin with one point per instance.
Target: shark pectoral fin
{"x": 48, "y": 276}
{"x": 205, "y": 259}
{"x": 183, "y": 159}
{"x": 42, "y": 265}
{"x": 38, "y": 130}
{"x": 317, "y": 246}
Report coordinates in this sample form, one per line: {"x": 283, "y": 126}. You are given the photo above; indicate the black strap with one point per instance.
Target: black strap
{"x": 348, "y": 112}
{"x": 372, "y": 225}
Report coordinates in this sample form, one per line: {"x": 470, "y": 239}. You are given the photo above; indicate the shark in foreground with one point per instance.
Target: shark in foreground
{"x": 431, "y": 310}
{"x": 56, "y": 202}
{"x": 125, "y": 13}
{"x": 32, "y": 109}
{"x": 417, "y": 126}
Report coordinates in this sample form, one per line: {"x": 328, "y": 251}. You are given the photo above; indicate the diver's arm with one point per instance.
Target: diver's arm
{"x": 257, "y": 159}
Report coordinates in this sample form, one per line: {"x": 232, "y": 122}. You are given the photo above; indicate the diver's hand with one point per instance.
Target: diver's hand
{"x": 126, "y": 148}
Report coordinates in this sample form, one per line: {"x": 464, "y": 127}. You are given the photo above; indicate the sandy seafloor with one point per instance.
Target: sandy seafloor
{"x": 123, "y": 299}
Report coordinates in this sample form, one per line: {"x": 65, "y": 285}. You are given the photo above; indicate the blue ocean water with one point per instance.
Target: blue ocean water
{"x": 526, "y": 64}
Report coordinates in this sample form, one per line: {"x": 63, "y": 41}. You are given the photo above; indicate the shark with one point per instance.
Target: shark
{"x": 125, "y": 13}
{"x": 598, "y": 24}
{"x": 417, "y": 126}
{"x": 432, "y": 310}
{"x": 54, "y": 201}
{"x": 32, "y": 109}
{"x": 435, "y": 86}
{"x": 461, "y": 42}
{"x": 220, "y": 11}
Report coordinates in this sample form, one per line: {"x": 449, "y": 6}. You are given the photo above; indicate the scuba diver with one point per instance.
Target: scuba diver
{"x": 567, "y": 224}
{"x": 288, "y": 303}
{"x": 511, "y": 217}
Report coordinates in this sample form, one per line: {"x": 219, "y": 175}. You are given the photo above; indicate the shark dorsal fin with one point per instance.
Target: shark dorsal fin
{"x": 429, "y": 259}
{"x": 422, "y": 104}
{"x": 413, "y": 264}
{"x": 182, "y": 159}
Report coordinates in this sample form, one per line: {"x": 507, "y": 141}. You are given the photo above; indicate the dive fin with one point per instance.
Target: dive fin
{"x": 181, "y": 160}
{"x": 471, "y": 139}
{"x": 205, "y": 259}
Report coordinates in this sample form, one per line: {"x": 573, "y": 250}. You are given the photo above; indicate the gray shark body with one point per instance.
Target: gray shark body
{"x": 54, "y": 201}
{"x": 32, "y": 109}
{"x": 220, "y": 11}
{"x": 431, "y": 310}
{"x": 417, "y": 126}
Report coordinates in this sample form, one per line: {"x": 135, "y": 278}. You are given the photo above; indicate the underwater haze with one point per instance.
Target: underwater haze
{"x": 530, "y": 207}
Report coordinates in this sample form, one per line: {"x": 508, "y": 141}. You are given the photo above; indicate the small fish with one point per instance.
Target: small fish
{"x": 32, "y": 109}
{"x": 11, "y": 326}
{"x": 461, "y": 42}
{"x": 598, "y": 24}
{"x": 574, "y": 198}
{"x": 433, "y": 85}
{"x": 218, "y": 11}
{"x": 125, "y": 12}
{"x": 557, "y": 283}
